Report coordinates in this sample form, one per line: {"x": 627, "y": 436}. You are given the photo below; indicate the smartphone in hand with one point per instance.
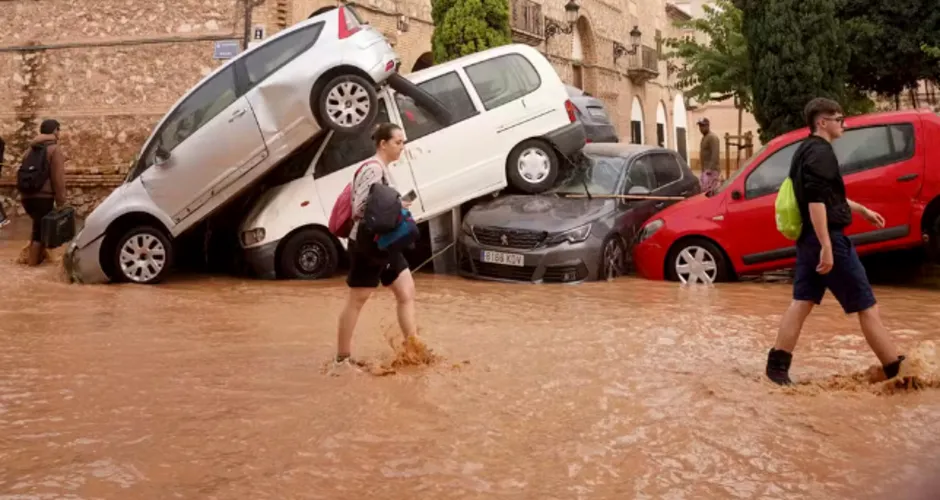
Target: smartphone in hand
{"x": 410, "y": 196}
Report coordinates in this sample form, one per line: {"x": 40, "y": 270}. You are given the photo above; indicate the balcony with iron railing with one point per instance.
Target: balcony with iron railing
{"x": 525, "y": 20}
{"x": 644, "y": 65}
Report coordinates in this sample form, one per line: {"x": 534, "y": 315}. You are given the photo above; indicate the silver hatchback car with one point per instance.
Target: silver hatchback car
{"x": 234, "y": 126}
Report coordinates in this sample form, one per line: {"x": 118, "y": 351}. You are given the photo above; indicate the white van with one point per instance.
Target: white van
{"x": 511, "y": 123}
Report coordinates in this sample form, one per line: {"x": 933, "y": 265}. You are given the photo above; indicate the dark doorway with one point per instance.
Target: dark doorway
{"x": 425, "y": 61}
{"x": 661, "y": 134}
{"x": 680, "y": 143}
{"x": 636, "y": 132}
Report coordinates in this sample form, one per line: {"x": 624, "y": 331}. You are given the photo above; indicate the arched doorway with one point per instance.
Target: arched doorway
{"x": 636, "y": 122}
{"x": 425, "y": 61}
{"x": 662, "y": 132}
{"x": 680, "y": 119}
{"x": 582, "y": 54}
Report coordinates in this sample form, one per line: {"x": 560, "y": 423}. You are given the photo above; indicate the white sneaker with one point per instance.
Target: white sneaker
{"x": 344, "y": 367}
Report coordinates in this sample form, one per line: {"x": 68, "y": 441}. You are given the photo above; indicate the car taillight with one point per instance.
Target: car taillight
{"x": 569, "y": 107}
{"x": 348, "y": 25}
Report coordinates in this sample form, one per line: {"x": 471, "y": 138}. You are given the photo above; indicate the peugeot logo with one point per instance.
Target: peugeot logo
{"x": 504, "y": 240}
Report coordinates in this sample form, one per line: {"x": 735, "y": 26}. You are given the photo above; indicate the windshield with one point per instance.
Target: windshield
{"x": 598, "y": 174}
{"x": 737, "y": 173}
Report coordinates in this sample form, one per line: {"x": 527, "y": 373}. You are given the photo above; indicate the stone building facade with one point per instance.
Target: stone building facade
{"x": 109, "y": 69}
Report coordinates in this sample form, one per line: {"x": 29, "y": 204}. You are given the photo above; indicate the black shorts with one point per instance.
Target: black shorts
{"x": 37, "y": 208}
{"x": 847, "y": 280}
{"x": 368, "y": 266}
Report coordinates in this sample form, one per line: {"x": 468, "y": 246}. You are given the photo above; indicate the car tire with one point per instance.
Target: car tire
{"x": 532, "y": 166}
{"x": 142, "y": 255}
{"x": 346, "y": 104}
{"x": 421, "y": 97}
{"x": 711, "y": 262}
{"x": 933, "y": 241}
{"x": 613, "y": 258}
{"x": 309, "y": 254}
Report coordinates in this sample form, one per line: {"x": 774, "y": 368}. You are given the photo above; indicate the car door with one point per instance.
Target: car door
{"x": 338, "y": 159}
{"x": 208, "y": 136}
{"x": 883, "y": 171}
{"x": 640, "y": 180}
{"x": 448, "y": 163}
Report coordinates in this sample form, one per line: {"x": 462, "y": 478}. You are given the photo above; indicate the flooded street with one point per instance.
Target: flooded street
{"x": 211, "y": 387}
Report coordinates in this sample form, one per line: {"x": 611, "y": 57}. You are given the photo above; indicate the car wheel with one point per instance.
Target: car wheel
{"x": 143, "y": 255}
{"x": 532, "y": 167}
{"x": 347, "y": 104}
{"x": 613, "y": 259}
{"x": 309, "y": 254}
{"x": 696, "y": 261}
{"x": 933, "y": 242}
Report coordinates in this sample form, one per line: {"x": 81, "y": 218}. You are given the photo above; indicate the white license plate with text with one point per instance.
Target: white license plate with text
{"x": 506, "y": 259}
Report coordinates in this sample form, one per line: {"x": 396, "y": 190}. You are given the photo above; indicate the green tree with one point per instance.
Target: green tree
{"x": 715, "y": 69}
{"x": 462, "y": 27}
{"x": 797, "y": 51}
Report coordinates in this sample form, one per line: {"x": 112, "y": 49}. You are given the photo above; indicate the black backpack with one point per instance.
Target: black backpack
{"x": 34, "y": 172}
{"x": 383, "y": 209}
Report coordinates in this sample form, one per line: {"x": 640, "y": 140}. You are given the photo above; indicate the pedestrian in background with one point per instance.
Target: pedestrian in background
{"x": 709, "y": 151}
{"x": 368, "y": 265}
{"x": 41, "y": 183}
{"x": 825, "y": 256}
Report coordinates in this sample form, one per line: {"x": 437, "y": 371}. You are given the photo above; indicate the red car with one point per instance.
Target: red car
{"x": 890, "y": 163}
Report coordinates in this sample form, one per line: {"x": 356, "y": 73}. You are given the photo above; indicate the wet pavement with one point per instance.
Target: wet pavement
{"x": 211, "y": 387}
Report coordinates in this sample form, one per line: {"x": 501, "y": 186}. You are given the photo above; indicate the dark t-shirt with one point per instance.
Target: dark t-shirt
{"x": 817, "y": 179}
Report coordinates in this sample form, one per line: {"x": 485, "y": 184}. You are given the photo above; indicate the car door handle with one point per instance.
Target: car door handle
{"x": 907, "y": 177}
{"x": 237, "y": 114}
{"x": 660, "y": 204}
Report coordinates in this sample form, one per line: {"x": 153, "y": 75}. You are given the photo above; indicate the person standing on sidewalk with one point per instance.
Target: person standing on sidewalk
{"x": 825, "y": 256}
{"x": 48, "y": 192}
{"x": 710, "y": 151}
{"x": 368, "y": 265}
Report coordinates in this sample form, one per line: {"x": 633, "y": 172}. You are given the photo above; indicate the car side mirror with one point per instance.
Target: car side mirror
{"x": 736, "y": 195}
{"x": 161, "y": 155}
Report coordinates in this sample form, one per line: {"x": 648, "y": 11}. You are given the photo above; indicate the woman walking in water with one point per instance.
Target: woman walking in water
{"x": 368, "y": 265}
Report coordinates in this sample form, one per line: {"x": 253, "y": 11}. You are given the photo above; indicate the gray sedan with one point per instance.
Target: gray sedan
{"x": 592, "y": 113}
{"x": 581, "y": 230}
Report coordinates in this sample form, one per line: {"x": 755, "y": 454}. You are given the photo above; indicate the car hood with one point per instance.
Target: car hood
{"x": 538, "y": 213}
{"x": 699, "y": 206}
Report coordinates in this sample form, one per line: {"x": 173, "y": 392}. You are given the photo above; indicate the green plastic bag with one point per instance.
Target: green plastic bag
{"x": 789, "y": 220}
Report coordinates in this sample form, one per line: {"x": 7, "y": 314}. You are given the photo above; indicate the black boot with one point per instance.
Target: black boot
{"x": 892, "y": 369}
{"x": 778, "y": 366}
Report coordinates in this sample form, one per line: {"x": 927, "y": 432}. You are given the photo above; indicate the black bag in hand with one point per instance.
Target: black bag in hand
{"x": 58, "y": 227}
{"x": 383, "y": 209}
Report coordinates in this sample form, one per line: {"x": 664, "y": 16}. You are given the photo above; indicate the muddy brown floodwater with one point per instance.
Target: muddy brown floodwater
{"x": 212, "y": 388}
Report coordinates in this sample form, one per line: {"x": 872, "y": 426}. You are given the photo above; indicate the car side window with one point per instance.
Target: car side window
{"x": 448, "y": 89}
{"x": 266, "y": 60}
{"x": 342, "y": 152}
{"x": 198, "y": 109}
{"x": 872, "y": 147}
{"x": 769, "y": 175}
{"x": 665, "y": 169}
{"x": 640, "y": 179}
{"x": 503, "y": 79}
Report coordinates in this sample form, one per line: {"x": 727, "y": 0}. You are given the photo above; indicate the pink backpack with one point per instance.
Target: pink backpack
{"x": 341, "y": 220}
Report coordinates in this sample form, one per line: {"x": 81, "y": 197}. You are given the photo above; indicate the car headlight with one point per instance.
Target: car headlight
{"x": 575, "y": 235}
{"x": 650, "y": 229}
{"x": 252, "y": 236}
{"x": 466, "y": 228}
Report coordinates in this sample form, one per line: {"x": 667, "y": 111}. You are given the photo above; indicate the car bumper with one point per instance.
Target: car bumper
{"x": 568, "y": 139}
{"x": 261, "y": 260}
{"x": 379, "y": 73}
{"x": 564, "y": 263}
{"x": 649, "y": 258}
{"x": 83, "y": 265}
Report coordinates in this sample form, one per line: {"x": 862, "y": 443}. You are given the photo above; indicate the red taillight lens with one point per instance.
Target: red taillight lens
{"x": 588, "y": 141}
{"x": 346, "y": 28}
{"x": 569, "y": 107}
{"x": 389, "y": 65}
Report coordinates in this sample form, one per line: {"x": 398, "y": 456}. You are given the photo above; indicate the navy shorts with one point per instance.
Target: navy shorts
{"x": 847, "y": 280}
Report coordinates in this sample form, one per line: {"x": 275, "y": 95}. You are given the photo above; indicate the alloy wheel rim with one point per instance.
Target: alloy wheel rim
{"x": 142, "y": 257}
{"x": 612, "y": 260}
{"x": 695, "y": 264}
{"x": 347, "y": 104}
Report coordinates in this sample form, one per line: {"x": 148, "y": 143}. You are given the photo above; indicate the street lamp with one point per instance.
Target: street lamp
{"x": 553, "y": 27}
{"x": 620, "y": 50}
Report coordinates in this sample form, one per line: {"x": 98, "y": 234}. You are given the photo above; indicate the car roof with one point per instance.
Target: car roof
{"x": 623, "y": 149}
{"x": 446, "y": 67}
{"x": 855, "y": 122}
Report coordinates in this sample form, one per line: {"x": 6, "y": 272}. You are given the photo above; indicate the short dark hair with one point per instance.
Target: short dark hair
{"x": 383, "y": 132}
{"x": 819, "y": 106}
{"x": 49, "y": 126}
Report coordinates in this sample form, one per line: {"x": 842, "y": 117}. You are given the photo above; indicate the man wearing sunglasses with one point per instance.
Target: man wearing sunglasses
{"x": 825, "y": 257}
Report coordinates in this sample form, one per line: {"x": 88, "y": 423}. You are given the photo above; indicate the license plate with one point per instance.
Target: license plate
{"x": 506, "y": 259}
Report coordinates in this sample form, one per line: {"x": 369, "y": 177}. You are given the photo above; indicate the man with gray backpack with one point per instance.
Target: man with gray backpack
{"x": 41, "y": 183}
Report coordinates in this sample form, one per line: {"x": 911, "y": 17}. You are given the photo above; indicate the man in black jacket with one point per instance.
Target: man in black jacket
{"x": 825, "y": 257}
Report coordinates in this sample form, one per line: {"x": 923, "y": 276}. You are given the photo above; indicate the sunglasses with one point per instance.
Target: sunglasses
{"x": 840, "y": 119}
